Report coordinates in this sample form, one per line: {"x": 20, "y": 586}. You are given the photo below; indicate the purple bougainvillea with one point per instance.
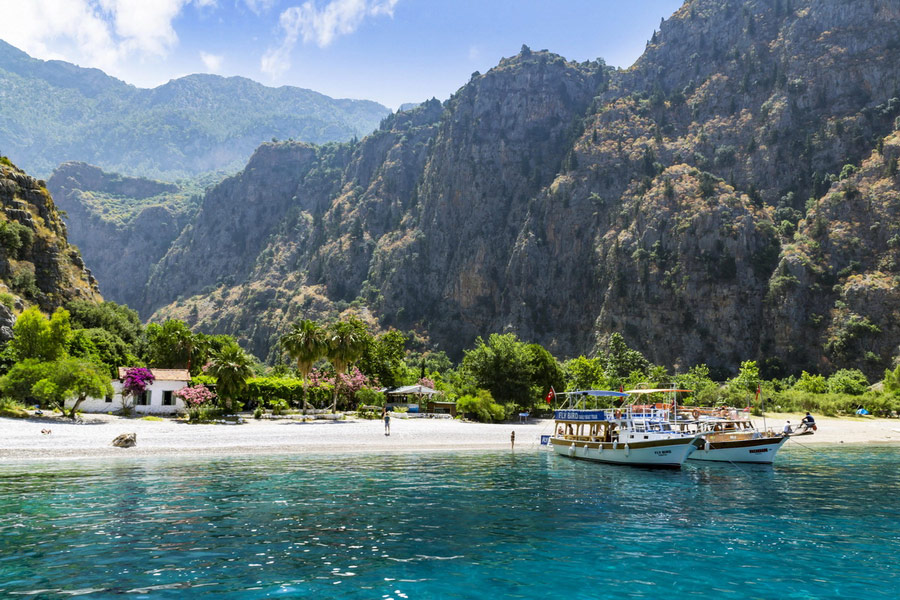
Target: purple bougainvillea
{"x": 136, "y": 381}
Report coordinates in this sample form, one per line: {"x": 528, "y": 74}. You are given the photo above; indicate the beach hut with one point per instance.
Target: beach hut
{"x": 439, "y": 407}
{"x": 158, "y": 399}
{"x": 411, "y": 397}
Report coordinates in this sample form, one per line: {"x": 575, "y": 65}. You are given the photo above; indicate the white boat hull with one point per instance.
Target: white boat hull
{"x": 760, "y": 450}
{"x": 661, "y": 453}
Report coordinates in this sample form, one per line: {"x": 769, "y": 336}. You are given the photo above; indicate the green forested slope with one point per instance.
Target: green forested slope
{"x": 55, "y": 112}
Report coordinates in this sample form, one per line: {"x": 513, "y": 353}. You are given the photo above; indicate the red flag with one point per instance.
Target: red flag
{"x": 551, "y": 395}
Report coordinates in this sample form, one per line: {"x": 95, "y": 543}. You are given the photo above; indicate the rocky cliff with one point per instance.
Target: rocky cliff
{"x": 564, "y": 201}
{"x": 122, "y": 225}
{"x": 37, "y": 265}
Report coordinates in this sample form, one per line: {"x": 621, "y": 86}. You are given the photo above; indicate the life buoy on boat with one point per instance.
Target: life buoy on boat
{"x": 696, "y": 414}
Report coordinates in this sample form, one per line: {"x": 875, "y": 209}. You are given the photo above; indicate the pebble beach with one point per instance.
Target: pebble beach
{"x": 23, "y": 438}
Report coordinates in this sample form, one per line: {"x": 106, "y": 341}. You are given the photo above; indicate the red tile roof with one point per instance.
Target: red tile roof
{"x": 163, "y": 374}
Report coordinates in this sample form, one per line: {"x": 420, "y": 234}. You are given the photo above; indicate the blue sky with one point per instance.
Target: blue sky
{"x": 391, "y": 51}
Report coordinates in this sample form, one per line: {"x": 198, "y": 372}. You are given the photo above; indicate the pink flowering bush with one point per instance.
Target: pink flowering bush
{"x": 136, "y": 380}
{"x": 348, "y": 383}
{"x": 319, "y": 378}
{"x": 196, "y": 395}
{"x": 353, "y": 382}
{"x": 429, "y": 383}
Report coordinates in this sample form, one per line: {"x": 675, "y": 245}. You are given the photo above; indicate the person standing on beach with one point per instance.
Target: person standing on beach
{"x": 387, "y": 420}
{"x": 512, "y": 440}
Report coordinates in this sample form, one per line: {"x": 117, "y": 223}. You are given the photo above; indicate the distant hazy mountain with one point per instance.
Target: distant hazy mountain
{"x": 53, "y": 112}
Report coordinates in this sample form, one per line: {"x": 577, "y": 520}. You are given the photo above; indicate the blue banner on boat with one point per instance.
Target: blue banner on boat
{"x": 545, "y": 439}
{"x": 579, "y": 415}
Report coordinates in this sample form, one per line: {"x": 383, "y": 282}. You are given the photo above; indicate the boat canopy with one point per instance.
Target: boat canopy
{"x": 656, "y": 391}
{"x": 595, "y": 393}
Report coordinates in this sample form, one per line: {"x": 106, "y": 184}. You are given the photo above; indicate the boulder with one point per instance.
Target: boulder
{"x": 125, "y": 440}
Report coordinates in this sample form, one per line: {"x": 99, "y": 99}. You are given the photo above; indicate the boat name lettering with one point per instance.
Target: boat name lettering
{"x": 758, "y": 450}
{"x": 662, "y": 452}
{"x": 580, "y": 415}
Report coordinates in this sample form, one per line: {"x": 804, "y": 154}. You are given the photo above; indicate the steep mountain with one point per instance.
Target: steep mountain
{"x": 37, "y": 265}
{"x": 699, "y": 203}
{"x": 55, "y": 112}
{"x": 122, "y": 225}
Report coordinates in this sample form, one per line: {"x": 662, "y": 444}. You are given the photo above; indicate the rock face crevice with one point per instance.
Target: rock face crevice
{"x": 700, "y": 203}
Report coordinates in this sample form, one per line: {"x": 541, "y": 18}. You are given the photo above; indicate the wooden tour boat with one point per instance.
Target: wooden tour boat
{"x": 630, "y": 435}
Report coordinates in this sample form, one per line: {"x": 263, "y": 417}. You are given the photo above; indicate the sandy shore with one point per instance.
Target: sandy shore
{"x": 22, "y": 438}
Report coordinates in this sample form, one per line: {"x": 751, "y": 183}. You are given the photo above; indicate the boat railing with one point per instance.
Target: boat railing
{"x": 721, "y": 412}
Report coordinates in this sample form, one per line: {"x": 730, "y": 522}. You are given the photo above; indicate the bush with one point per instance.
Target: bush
{"x": 481, "y": 407}
{"x": 279, "y": 406}
{"x": 370, "y": 397}
{"x": 12, "y": 409}
{"x": 368, "y": 413}
{"x": 828, "y": 404}
{"x": 205, "y": 414}
{"x": 813, "y": 384}
{"x": 848, "y": 381}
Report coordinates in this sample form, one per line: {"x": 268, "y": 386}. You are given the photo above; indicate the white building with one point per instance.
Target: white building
{"x": 158, "y": 399}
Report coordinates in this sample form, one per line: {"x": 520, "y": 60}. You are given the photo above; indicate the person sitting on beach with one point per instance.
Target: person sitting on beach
{"x": 46, "y": 431}
{"x": 788, "y": 430}
{"x": 808, "y": 422}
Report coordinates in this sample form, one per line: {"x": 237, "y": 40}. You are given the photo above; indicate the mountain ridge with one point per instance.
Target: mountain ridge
{"x": 681, "y": 202}
{"x": 56, "y": 112}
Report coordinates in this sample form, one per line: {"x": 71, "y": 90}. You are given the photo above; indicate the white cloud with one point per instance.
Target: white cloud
{"x": 260, "y": 6}
{"x": 212, "y": 62}
{"x": 96, "y": 33}
{"x": 320, "y": 26}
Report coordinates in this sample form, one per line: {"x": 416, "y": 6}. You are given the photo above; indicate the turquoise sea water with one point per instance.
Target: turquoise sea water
{"x": 817, "y": 524}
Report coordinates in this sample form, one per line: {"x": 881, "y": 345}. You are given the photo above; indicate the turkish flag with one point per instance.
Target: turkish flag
{"x": 550, "y": 395}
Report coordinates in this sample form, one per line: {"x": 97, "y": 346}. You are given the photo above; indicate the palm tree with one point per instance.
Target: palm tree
{"x": 173, "y": 345}
{"x": 346, "y": 344}
{"x": 306, "y": 343}
{"x": 231, "y": 368}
